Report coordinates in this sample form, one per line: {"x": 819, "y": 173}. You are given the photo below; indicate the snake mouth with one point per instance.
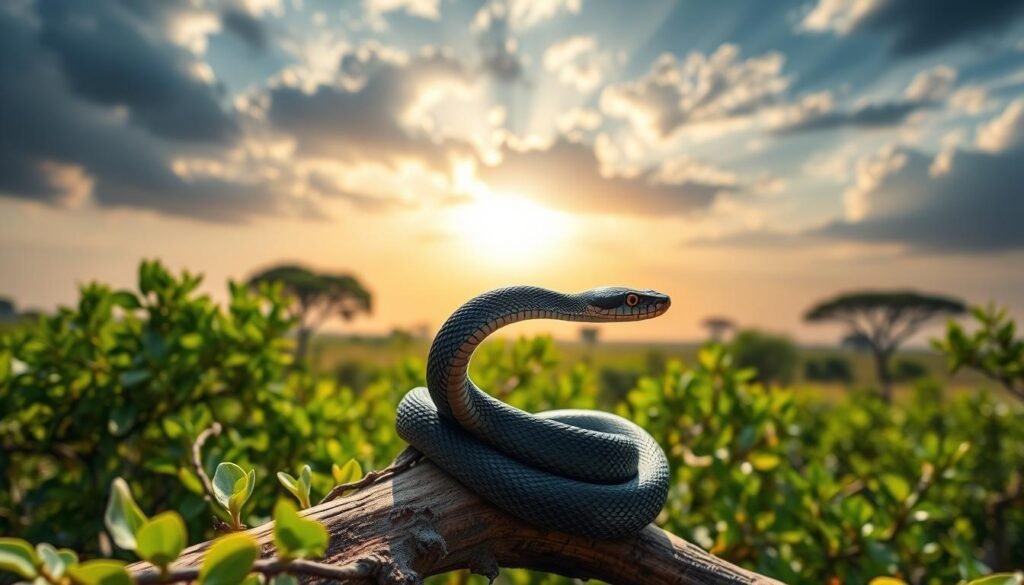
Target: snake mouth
{"x": 641, "y": 313}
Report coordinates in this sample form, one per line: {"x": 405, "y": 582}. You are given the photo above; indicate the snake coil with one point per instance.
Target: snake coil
{"x": 582, "y": 472}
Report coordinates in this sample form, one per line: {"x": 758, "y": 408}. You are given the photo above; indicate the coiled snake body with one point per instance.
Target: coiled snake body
{"x": 578, "y": 471}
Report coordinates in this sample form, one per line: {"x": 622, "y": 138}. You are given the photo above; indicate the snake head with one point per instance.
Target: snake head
{"x": 615, "y": 303}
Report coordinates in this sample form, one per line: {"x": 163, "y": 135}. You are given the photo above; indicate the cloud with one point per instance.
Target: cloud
{"x": 702, "y": 88}
{"x": 78, "y": 132}
{"x": 569, "y": 176}
{"x": 1006, "y": 131}
{"x": 959, "y": 201}
{"x": 250, "y": 29}
{"x": 914, "y": 26}
{"x": 107, "y": 57}
{"x": 524, "y": 14}
{"x": 429, "y": 9}
{"x": 818, "y": 111}
{"x": 499, "y": 48}
{"x": 577, "y": 62}
{"x": 379, "y": 112}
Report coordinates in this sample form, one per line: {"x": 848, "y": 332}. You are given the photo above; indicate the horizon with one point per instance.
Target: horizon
{"x": 748, "y": 159}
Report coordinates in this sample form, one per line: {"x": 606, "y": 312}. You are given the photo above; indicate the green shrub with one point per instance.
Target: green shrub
{"x": 121, "y": 385}
{"x": 829, "y": 369}
{"x": 774, "y": 357}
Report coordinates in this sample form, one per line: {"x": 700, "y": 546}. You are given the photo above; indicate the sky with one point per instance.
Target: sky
{"x": 747, "y": 158}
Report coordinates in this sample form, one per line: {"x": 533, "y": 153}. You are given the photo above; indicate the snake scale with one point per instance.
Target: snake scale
{"x": 581, "y": 472}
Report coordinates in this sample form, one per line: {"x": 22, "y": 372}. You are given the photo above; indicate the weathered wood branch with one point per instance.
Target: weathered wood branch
{"x": 421, "y": 522}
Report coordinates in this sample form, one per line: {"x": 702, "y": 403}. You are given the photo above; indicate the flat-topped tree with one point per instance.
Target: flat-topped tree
{"x": 317, "y": 298}
{"x": 883, "y": 320}
{"x": 718, "y": 327}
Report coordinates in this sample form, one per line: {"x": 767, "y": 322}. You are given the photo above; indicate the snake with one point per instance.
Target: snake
{"x": 582, "y": 472}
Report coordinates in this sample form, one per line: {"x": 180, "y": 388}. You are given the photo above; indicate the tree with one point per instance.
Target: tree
{"x": 7, "y": 309}
{"x": 589, "y": 335}
{"x": 317, "y": 298}
{"x": 773, "y": 356}
{"x": 718, "y": 327}
{"x": 883, "y": 320}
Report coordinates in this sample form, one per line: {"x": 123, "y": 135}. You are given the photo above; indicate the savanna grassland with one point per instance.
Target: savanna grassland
{"x": 805, "y": 481}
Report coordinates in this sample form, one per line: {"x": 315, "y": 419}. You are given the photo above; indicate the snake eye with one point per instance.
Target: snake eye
{"x": 632, "y": 300}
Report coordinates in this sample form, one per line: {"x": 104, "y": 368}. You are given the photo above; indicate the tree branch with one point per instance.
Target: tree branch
{"x": 419, "y": 522}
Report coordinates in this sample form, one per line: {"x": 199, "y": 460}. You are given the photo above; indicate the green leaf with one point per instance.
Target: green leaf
{"x": 54, "y": 563}
{"x": 17, "y": 556}
{"x": 133, "y": 377}
{"x": 284, "y": 579}
{"x": 232, "y": 487}
{"x": 1000, "y": 579}
{"x": 100, "y": 572}
{"x": 125, "y": 299}
{"x": 348, "y": 473}
{"x": 229, "y": 560}
{"x": 898, "y": 487}
{"x": 764, "y": 461}
{"x": 296, "y": 537}
{"x": 300, "y": 487}
{"x": 123, "y": 516}
{"x": 162, "y": 539}
{"x": 190, "y": 340}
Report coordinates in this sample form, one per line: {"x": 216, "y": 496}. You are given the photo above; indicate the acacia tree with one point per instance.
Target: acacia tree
{"x": 317, "y": 298}
{"x": 883, "y": 320}
{"x": 718, "y": 327}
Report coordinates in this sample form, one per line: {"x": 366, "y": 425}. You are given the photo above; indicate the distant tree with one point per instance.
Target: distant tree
{"x": 317, "y": 297}
{"x": 718, "y": 328}
{"x": 589, "y": 335}
{"x": 7, "y": 310}
{"x": 884, "y": 320}
{"x": 773, "y": 356}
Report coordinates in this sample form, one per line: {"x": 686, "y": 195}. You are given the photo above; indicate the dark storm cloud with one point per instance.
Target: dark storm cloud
{"x": 55, "y": 141}
{"x": 567, "y": 176}
{"x": 107, "y": 57}
{"x": 245, "y": 26}
{"x": 917, "y": 26}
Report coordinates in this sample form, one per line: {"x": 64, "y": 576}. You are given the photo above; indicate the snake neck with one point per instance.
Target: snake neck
{"x": 448, "y": 361}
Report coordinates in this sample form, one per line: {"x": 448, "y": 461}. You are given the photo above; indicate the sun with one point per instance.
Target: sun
{"x": 509, "y": 228}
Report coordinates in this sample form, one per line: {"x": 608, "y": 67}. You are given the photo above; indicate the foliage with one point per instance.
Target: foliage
{"x": 160, "y": 541}
{"x": 773, "y": 356}
{"x": 882, "y": 321}
{"x": 829, "y": 369}
{"x": 908, "y": 370}
{"x": 928, "y": 490}
{"x": 993, "y": 349}
{"x": 122, "y": 383}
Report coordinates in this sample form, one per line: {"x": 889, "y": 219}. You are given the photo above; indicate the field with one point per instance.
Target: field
{"x": 333, "y": 353}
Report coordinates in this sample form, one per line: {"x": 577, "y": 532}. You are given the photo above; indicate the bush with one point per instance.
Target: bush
{"x": 773, "y": 356}
{"x": 803, "y": 491}
{"x": 122, "y": 383}
{"x": 907, "y": 370}
{"x": 829, "y": 369}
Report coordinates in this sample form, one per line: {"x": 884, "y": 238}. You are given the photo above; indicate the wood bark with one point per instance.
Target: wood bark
{"x": 421, "y": 522}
